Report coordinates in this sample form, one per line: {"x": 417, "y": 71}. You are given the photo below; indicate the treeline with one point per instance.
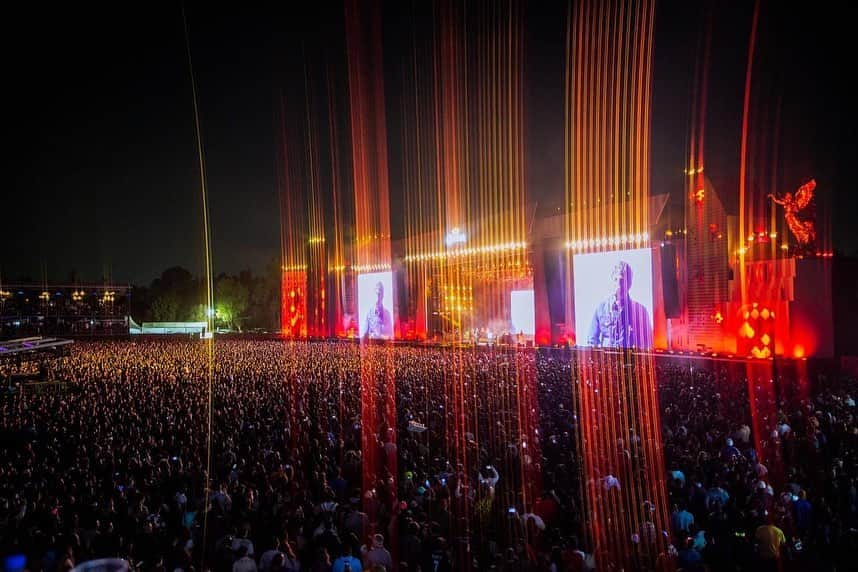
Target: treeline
{"x": 242, "y": 302}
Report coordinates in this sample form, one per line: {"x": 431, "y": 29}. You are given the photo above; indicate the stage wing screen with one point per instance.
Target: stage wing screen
{"x": 522, "y": 312}
{"x": 613, "y": 299}
{"x": 375, "y": 305}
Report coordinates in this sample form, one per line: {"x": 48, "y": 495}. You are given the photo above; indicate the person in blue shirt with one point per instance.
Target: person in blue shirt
{"x": 730, "y": 452}
{"x": 619, "y": 321}
{"x": 678, "y": 476}
{"x": 681, "y": 521}
{"x": 347, "y": 562}
{"x": 689, "y": 558}
{"x": 716, "y": 494}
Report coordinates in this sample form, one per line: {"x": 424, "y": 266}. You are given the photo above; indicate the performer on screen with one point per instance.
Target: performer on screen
{"x": 379, "y": 323}
{"x": 619, "y": 321}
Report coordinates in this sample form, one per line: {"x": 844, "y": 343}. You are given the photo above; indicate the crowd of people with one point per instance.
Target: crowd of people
{"x": 270, "y": 455}
{"x": 779, "y": 495}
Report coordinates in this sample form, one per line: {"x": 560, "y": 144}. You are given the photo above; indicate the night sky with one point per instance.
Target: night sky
{"x": 102, "y": 178}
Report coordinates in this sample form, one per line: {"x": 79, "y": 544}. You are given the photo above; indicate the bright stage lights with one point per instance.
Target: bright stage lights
{"x": 621, "y": 241}
{"x": 455, "y": 236}
{"x": 371, "y": 267}
{"x": 464, "y": 252}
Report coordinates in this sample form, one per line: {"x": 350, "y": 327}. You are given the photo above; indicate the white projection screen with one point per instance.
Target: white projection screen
{"x": 613, "y": 298}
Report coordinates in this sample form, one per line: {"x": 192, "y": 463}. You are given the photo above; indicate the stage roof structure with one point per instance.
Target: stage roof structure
{"x": 29, "y": 347}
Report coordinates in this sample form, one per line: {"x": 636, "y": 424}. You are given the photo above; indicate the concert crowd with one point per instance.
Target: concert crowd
{"x": 256, "y": 455}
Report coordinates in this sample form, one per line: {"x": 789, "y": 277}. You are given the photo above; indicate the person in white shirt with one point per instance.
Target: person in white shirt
{"x": 244, "y": 562}
{"x": 537, "y": 520}
{"x": 378, "y": 555}
{"x": 492, "y": 477}
{"x": 268, "y": 556}
{"x": 243, "y": 541}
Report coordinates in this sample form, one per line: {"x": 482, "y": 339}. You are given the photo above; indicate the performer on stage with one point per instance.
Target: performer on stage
{"x": 379, "y": 323}
{"x": 619, "y": 321}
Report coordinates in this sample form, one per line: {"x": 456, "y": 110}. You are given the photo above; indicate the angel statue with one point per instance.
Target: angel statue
{"x": 804, "y": 230}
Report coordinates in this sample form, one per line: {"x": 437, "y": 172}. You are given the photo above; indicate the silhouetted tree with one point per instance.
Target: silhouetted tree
{"x": 165, "y": 308}
{"x": 231, "y": 300}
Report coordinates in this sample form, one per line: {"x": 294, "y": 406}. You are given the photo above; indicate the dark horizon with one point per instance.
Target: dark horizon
{"x": 105, "y": 178}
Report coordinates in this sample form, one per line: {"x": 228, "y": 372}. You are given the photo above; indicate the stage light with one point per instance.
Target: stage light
{"x": 464, "y": 252}
{"x": 619, "y": 241}
{"x": 371, "y": 267}
{"x": 455, "y": 236}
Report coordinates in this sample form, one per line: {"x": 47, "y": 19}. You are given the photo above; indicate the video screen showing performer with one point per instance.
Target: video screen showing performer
{"x": 613, "y": 299}
{"x": 375, "y": 314}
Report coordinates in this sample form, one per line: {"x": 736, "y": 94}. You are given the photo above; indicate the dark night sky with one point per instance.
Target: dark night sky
{"x": 103, "y": 173}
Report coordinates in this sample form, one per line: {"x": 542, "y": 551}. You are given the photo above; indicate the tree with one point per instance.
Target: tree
{"x": 140, "y": 307}
{"x": 198, "y": 313}
{"x": 165, "y": 308}
{"x": 231, "y": 300}
{"x": 264, "y": 310}
{"x": 175, "y": 278}
{"x": 180, "y": 288}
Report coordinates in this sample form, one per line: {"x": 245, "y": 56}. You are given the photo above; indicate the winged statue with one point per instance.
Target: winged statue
{"x": 802, "y": 228}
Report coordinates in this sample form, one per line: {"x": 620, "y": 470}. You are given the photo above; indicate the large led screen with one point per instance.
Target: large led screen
{"x": 521, "y": 312}
{"x": 613, "y": 299}
{"x": 375, "y": 305}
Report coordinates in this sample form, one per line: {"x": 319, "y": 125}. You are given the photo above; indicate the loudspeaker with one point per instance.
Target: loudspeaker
{"x": 669, "y": 284}
{"x": 555, "y": 281}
